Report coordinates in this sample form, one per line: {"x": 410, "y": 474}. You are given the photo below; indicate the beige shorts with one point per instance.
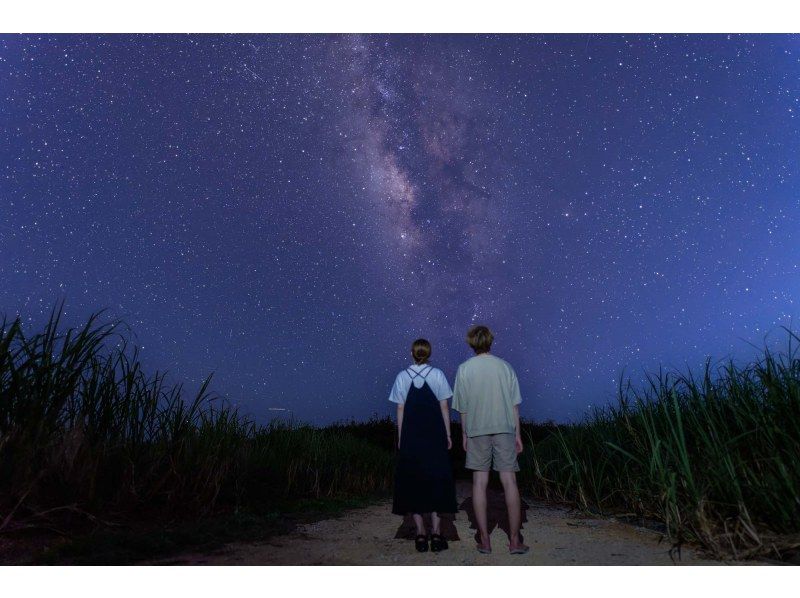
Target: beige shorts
{"x": 497, "y": 450}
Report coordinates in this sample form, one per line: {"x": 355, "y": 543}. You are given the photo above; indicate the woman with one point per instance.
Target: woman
{"x": 424, "y": 478}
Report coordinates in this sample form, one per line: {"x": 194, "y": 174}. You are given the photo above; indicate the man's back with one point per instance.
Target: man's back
{"x": 486, "y": 390}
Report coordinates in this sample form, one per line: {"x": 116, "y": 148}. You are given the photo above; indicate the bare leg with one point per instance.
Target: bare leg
{"x": 511, "y": 492}
{"x": 435, "y": 523}
{"x": 480, "y": 479}
{"x": 420, "y": 524}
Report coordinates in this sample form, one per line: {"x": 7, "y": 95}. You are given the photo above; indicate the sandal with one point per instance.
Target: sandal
{"x": 421, "y": 543}
{"x": 438, "y": 543}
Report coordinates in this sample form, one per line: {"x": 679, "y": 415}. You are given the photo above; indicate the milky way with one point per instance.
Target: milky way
{"x": 426, "y": 147}
{"x": 290, "y": 212}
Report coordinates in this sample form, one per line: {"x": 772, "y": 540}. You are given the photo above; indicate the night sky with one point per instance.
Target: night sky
{"x": 290, "y": 212}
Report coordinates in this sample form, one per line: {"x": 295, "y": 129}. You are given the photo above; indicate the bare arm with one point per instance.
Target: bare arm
{"x": 464, "y": 431}
{"x": 518, "y": 429}
{"x": 446, "y": 418}
{"x": 400, "y": 408}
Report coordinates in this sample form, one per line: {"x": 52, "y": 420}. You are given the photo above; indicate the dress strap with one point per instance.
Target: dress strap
{"x": 419, "y": 374}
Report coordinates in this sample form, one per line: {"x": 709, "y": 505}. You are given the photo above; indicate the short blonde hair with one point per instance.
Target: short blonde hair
{"x": 480, "y": 338}
{"x": 420, "y": 351}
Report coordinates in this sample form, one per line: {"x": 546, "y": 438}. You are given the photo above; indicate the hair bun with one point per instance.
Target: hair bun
{"x": 420, "y": 350}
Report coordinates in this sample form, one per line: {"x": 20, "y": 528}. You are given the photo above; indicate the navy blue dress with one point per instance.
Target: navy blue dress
{"x": 423, "y": 481}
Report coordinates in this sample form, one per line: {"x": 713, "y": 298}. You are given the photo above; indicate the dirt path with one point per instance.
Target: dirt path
{"x": 367, "y": 537}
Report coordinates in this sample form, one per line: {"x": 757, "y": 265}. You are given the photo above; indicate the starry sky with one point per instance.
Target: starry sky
{"x": 289, "y": 212}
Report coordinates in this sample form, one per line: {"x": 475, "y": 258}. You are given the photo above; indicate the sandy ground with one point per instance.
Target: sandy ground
{"x": 367, "y": 537}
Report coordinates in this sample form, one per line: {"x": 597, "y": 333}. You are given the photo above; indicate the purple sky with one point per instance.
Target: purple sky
{"x": 290, "y": 212}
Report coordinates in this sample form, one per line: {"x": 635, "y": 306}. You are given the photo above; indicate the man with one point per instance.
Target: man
{"x": 487, "y": 396}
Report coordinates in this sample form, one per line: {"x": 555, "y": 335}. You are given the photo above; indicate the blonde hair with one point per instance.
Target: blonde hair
{"x": 480, "y": 338}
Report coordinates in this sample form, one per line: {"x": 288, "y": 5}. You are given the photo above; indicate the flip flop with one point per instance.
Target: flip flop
{"x": 484, "y": 550}
{"x": 520, "y": 550}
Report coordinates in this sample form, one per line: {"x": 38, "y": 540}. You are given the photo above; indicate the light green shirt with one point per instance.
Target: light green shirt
{"x": 485, "y": 393}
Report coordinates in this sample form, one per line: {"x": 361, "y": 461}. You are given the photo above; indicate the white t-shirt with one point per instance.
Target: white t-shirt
{"x": 433, "y": 376}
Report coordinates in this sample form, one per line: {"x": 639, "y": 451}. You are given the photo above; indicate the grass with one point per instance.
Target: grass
{"x": 714, "y": 457}
{"x": 126, "y": 466}
{"x": 135, "y": 542}
{"x": 87, "y": 438}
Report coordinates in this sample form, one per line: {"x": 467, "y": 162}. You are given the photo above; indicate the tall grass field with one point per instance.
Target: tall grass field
{"x": 87, "y": 436}
{"x": 86, "y": 433}
{"x": 714, "y": 457}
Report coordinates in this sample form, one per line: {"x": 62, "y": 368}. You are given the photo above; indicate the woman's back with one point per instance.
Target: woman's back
{"x": 417, "y": 375}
